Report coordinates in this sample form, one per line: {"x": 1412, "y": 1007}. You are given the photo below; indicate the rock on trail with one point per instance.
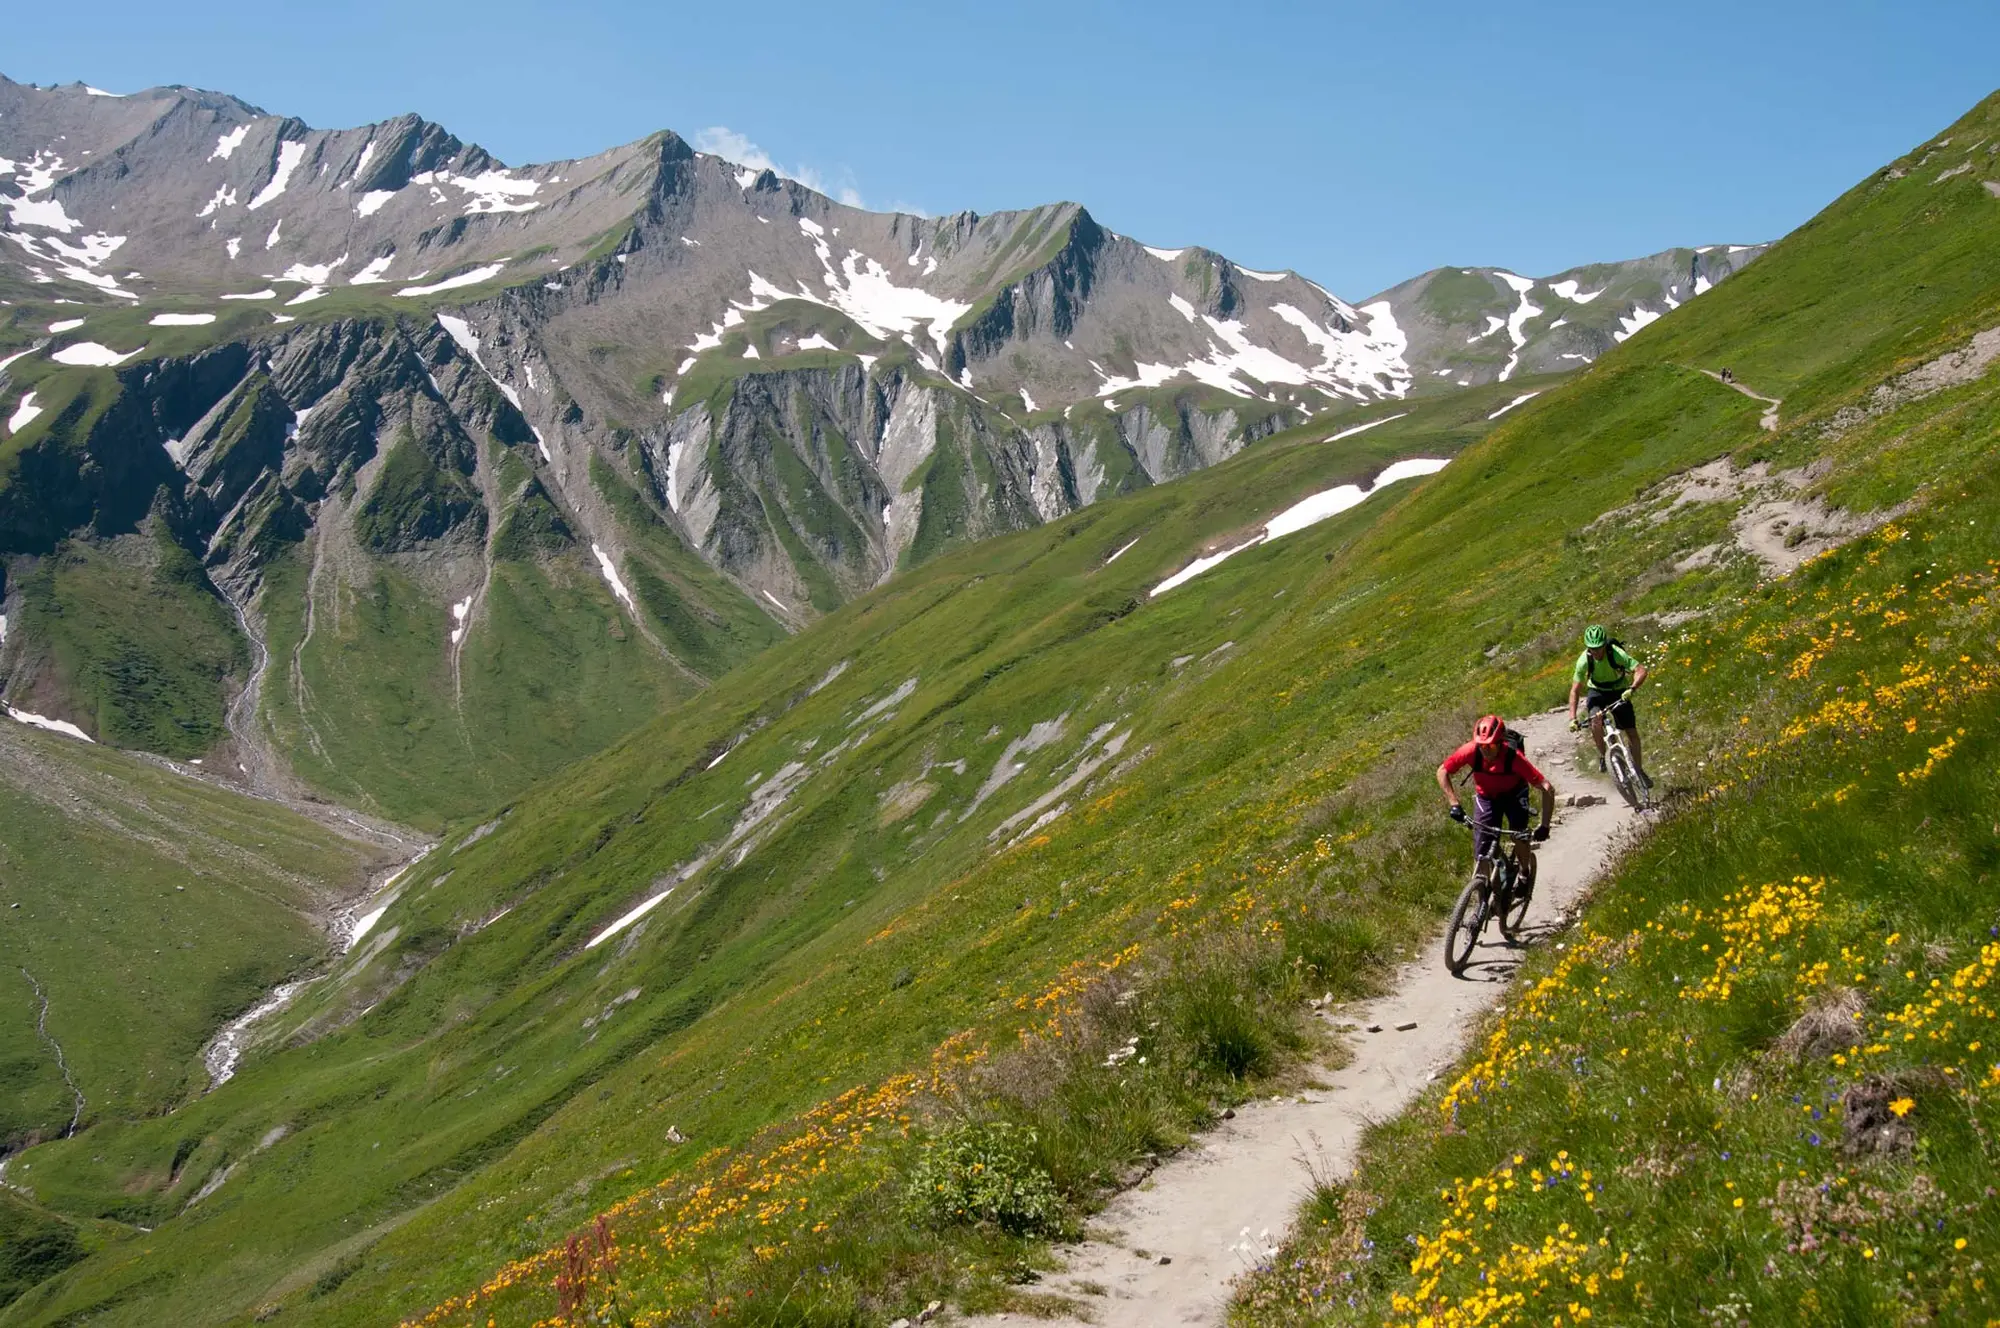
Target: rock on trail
{"x": 1223, "y": 1206}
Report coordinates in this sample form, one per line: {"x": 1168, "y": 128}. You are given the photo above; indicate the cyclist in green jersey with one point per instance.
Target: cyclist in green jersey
{"x": 1605, "y": 678}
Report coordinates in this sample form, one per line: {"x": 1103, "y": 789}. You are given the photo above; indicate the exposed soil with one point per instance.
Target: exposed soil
{"x": 1769, "y": 419}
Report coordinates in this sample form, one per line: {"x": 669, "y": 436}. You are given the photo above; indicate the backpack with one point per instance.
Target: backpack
{"x": 1612, "y": 646}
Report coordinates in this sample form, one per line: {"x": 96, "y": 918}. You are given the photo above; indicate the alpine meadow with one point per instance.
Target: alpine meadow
{"x": 621, "y": 742}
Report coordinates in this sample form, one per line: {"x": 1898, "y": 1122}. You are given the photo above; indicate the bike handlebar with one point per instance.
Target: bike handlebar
{"x": 1501, "y": 831}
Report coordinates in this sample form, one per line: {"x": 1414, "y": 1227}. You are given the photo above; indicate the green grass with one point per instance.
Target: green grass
{"x": 129, "y": 637}
{"x": 707, "y": 624}
{"x": 880, "y": 953}
{"x": 1834, "y": 850}
{"x": 150, "y": 907}
{"x": 476, "y": 1078}
{"x": 1644, "y": 1093}
{"x": 373, "y": 715}
{"x": 415, "y": 501}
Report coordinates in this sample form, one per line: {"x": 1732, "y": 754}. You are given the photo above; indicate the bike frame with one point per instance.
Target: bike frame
{"x": 1615, "y": 737}
{"x": 1494, "y": 859}
{"x": 1489, "y": 895}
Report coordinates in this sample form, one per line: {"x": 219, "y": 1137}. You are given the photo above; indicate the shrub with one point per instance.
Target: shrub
{"x": 982, "y": 1173}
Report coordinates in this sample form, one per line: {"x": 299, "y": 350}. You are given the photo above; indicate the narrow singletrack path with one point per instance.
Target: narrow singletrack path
{"x": 1213, "y": 1212}
{"x": 1769, "y": 419}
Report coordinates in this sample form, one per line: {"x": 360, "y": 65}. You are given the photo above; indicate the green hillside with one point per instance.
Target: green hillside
{"x": 1009, "y": 874}
{"x": 1756, "y": 1085}
{"x": 149, "y": 907}
{"x": 140, "y": 909}
{"x": 475, "y": 1055}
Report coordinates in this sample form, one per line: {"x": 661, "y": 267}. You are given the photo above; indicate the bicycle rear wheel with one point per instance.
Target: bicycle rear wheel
{"x": 1623, "y": 775}
{"x": 1514, "y": 909}
{"x": 1468, "y": 919}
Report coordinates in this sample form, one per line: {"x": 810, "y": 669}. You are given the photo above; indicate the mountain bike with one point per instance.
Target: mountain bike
{"x": 1618, "y": 762}
{"x": 1498, "y": 889}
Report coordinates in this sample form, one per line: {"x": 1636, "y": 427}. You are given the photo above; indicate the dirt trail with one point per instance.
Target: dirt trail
{"x": 1215, "y": 1211}
{"x": 1769, "y": 419}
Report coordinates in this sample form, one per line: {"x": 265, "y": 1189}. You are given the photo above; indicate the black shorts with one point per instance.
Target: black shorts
{"x": 1621, "y": 711}
{"x": 1510, "y": 809}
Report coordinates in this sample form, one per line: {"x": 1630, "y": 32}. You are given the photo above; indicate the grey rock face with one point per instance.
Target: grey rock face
{"x": 810, "y": 394}
{"x": 1468, "y": 326}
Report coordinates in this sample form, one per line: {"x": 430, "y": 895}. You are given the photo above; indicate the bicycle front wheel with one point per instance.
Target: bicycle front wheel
{"x": 1623, "y": 775}
{"x": 1468, "y": 919}
{"x": 1514, "y": 910}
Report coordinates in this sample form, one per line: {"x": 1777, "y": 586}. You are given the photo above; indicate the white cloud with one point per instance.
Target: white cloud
{"x": 724, "y": 142}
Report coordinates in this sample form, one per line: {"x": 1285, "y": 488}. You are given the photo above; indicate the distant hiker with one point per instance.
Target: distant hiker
{"x": 1502, "y": 774}
{"x": 1606, "y": 676}
{"x": 1728, "y": 377}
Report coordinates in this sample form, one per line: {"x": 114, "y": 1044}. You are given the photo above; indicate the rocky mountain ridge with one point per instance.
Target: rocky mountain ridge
{"x": 698, "y": 401}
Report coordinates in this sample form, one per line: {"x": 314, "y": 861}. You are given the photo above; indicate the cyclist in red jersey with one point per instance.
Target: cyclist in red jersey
{"x": 1502, "y": 774}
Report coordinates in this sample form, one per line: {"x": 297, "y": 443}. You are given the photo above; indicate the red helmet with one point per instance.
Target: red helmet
{"x": 1488, "y": 729}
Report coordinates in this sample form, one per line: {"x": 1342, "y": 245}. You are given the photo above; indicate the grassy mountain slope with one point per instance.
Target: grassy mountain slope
{"x": 148, "y": 907}
{"x": 346, "y": 504}
{"x": 1755, "y": 1087}
{"x": 476, "y": 1057}
{"x": 873, "y": 933}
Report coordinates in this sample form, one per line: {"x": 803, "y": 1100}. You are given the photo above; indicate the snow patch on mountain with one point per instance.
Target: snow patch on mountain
{"x": 1525, "y": 396}
{"x": 227, "y": 144}
{"x": 1373, "y": 361}
{"x": 1307, "y": 512}
{"x": 489, "y": 191}
{"x": 92, "y": 354}
{"x": 1632, "y": 322}
{"x": 34, "y": 720}
{"x": 1364, "y": 428}
{"x": 289, "y": 156}
{"x": 472, "y": 278}
{"x": 1517, "y": 321}
{"x": 225, "y": 196}
{"x": 1570, "y": 290}
{"x": 1353, "y": 363}
{"x": 859, "y": 287}
{"x": 25, "y": 411}
{"x": 461, "y": 333}
{"x": 611, "y": 578}
{"x": 629, "y": 917}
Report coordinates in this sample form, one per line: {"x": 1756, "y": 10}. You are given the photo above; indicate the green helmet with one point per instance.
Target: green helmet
{"x": 1594, "y": 636}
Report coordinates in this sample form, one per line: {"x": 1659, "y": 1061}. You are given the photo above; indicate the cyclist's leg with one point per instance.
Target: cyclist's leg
{"x": 1514, "y": 814}
{"x": 1485, "y": 815}
{"x": 1596, "y": 728}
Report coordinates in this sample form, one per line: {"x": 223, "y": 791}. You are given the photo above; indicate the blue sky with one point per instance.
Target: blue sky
{"x": 1359, "y": 144}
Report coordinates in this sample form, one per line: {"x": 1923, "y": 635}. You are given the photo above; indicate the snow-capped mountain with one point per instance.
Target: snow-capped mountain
{"x": 1477, "y": 325}
{"x": 380, "y": 347}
